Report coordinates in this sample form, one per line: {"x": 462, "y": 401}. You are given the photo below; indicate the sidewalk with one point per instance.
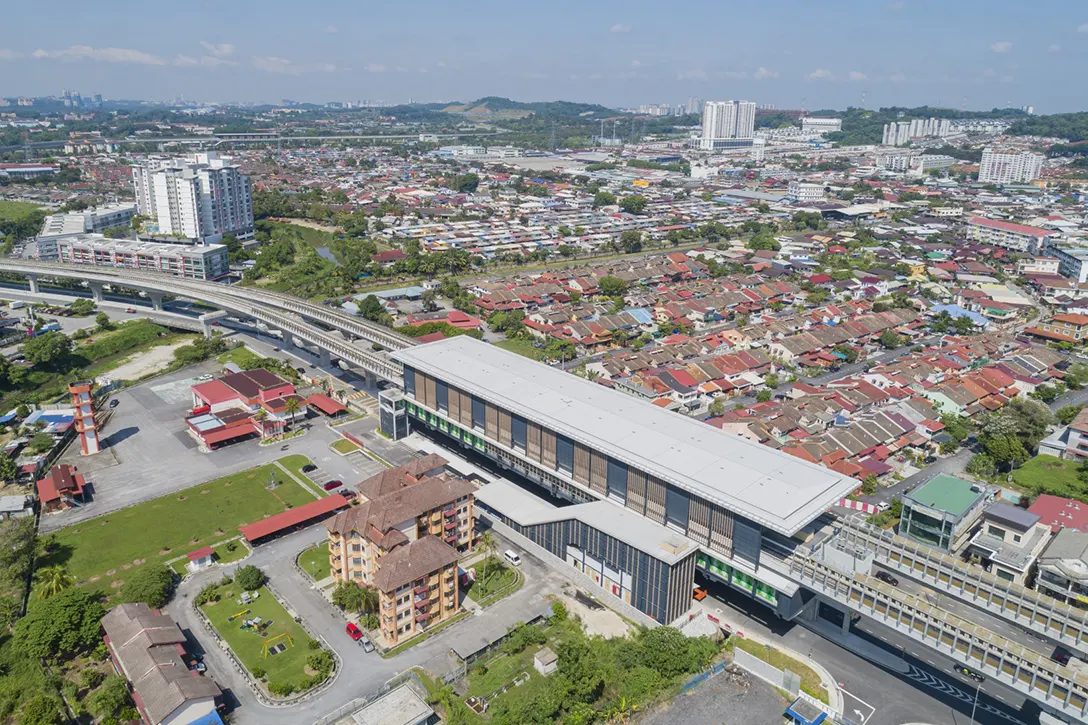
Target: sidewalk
{"x": 834, "y": 695}
{"x": 857, "y": 645}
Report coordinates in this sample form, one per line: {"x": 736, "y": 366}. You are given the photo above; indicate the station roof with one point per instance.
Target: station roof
{"x": 772, "y": 488}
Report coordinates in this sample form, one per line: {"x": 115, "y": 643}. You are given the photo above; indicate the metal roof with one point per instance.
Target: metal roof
{"x": 772, "y": 488}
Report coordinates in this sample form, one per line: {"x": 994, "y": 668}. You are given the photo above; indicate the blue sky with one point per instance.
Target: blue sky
{"x": 825, "y": 53}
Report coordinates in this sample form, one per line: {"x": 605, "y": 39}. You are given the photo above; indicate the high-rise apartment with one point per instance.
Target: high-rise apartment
{"x": 726, "y": 120}
{"x": 200, "y": 197}
{"x": 1009, "y": 167}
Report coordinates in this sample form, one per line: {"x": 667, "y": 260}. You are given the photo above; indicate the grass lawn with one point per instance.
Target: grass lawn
{"x": 315, "y": 562}
{"x": 240, "y": 356}
{"x": 224, "y": 555}
{"x": 521, "y": 347}
{"x": 284, "y": 667}
{"x": 17, "y": 210}
{"x": 500, "y": 671}
{"x": 1047, "y": 474}
{"x": 482, "y": 589}
{"x": 100, "y": 551}
{"x": 810, "y": 681}
{"x": 343, "y": 445}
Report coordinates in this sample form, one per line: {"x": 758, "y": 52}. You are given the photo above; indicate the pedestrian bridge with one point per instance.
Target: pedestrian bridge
{"x": 331, "y": 331}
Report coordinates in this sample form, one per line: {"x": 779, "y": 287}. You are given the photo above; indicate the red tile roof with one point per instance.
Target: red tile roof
{"x": 1010, "y": 227}
{"x": 200, "y": 553}
{"x": 287, "y": 519}
{"x": 325, "y": 404}
{"x": 1059, "y": 513}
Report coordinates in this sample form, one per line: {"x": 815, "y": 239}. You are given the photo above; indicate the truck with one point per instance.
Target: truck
{"x": 18, "y": 305}
{"x": 53, "y": 326}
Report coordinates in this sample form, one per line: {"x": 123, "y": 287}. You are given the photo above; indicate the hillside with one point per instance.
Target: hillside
{"x": 504, "y": 107}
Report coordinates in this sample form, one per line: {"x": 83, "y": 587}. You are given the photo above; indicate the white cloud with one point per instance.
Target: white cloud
{"x": 275, "y": 64}
{"x": 1054, "y": 48}
{"x": 1001, "y": 46}
{"x": 185, "y": 60}
{"x": 636, "y": 63}
{"x": 734, "y": 74}
{"x": 620, "y": 28}
{"x": 763, "y": 73}
{"x": 821, "y": 74}
{"x": 204, "y": 61}
{"x": 857, "y": 76}
{"x": 331, "y": 29}
{"x": 6, "y": 54}
{"x": 691, "y": 75}
{"x": 222, "y": 50}
{"x": 108, "y": 55}
{"x": 1082, "y": 28}
{"x": 379, "y": 68}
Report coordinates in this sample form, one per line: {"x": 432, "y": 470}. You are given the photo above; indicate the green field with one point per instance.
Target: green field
{"x": 521, "y": 347}
{"x": 482, "y": 590}
{"x": 17, "y": 211}
{"x": 343, "y": 445}
{"x": 810, "y": 681}
{"x": 315, "y": 562}
{"x": 285, "y": 667}
{"x": 1047, "y": 474}
{"x": 243, "y": 357}
{"x": 101, "y": 551}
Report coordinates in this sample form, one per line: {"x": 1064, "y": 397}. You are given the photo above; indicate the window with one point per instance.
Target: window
{"x": 517, "y": 432}
{"x": 1017, "y": 538}
{"x": 478, "y": 413}
{"x": 442, "y": 393}
{"x": 410, "y": 381}
{"x": 564, "y": 454}
{"x": 996, "y": 531}
{"x": 676, "y": 508}
{"x": 617, "y": 481}
{"x": 1006, "y": 575}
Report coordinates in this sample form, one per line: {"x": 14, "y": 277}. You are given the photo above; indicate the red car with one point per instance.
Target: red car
{"x": 332, "y": 484}
{"x": 354, "y": 632}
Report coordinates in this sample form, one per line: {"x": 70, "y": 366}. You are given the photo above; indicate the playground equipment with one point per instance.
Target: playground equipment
{"x": 235, "y": 616}
{"x": 275, "y": 646}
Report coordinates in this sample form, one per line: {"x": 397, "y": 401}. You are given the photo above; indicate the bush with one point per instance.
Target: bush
{"x": 41, "y": 710}
{"x": 111, "y": 697}
{"x": 249, "y": 577}
{"x": 91, "y": 678}
{"x": 320, "y": 661}
{"x": 62, "y": 625}
{"x": 209, "y": 593}
{"x": 259, "y": 673}
{"x": 282, "y": 689}
{"x": 152, "y": 585}
{"x": 227, "y": 579}
{"x": 314, "y": 644}
{"x": 559, "y": 612}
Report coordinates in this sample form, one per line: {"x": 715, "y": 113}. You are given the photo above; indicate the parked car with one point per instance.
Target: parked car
{"x": 309, "y": 467}
{"x": 347, "y": 493}
{"x": 929, "y": 459}
{"x": 205, "y": 376}
{"x": 368, "y": 646}
{"x": 354, "y": 632}
{"x": 130, "y": 310}
{"x": 114, "y": 403}
{"x": 333, "y": 484}
{"x": 887, "y": 578}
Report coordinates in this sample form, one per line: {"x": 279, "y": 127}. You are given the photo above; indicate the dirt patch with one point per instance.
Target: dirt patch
{"x": 116, "y": 583}
{"x": 182, "y": 498}
{"x": 146, "y": 363}
{"x": 94, "y": 578}
{"x": 310, "y": 672}
{"x": 138, "y": 562}
{"x": 204, "y": 492}
{"x": 164, "y": 552}
{"x": 126, "y": 567}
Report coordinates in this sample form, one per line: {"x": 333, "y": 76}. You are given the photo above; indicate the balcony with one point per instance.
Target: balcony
{"x": 452, "y": 539}
{"x": 421, "y": 589}
{"x": 450, "y": 525}
{"x": 452, "y": 511}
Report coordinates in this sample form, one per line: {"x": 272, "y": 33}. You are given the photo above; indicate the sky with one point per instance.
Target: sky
{"x": 976, "y": 54}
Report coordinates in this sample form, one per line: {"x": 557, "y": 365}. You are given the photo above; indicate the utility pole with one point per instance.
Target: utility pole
{"x": 553, "y": 136}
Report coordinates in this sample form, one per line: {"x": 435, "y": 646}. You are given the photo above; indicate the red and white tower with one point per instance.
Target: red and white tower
{"x": 85, "y": 421}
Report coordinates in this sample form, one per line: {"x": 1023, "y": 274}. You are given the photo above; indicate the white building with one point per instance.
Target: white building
{"x": 1017, "y": 237}
{"x": 1072, "y": 261}
{"x": 726, "y": 120}
{"x": 815, "y": 124}
{"x": 95, "y": 219}
{"x": 1009, "y": 167}
{"x": 208, "y": 261}
{"x": 898, "y": 133}
{"x": 201, "y": 197}
{"x": 805, "y": 192}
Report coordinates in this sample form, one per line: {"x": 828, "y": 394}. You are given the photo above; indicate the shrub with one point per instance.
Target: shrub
{"x": 110, "y": 697}
{"x": 559, "y": 612}
{"x": 282, "y": 689}
{"x": 249, "y": 577}
{"x": 152, "y": 585}
{"x": 314, "y": 644}
{"x": 227, "y": 579}
{"x": 209, "y": 593}
{"x": 41, "y": 710}
{"x": 259, "y": 673}
{"x": 91, "y": 678}
{"x": 320, "y": 661}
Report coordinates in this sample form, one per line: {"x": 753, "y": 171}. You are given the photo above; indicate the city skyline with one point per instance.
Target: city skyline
{"x": 979, "y": 55}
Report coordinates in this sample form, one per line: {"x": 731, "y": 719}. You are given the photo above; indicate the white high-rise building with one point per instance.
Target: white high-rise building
{"x": 694, "y": 105}
{"x": 724, "y": 120}
{"x": 201, "y": 197}
{"x": 898, "y": 133}
{"x": 1009, "y": 167}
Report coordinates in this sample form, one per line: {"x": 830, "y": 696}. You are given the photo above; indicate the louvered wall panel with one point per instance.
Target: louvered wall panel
{"x": 598, "y": 473}
{"x": 655, "y": 499}
{"x": 721, "y": 529}
{"x": 504, "y": 428}
{"x": 636, "y": 490}
{"x": 547, "y": 449}
{"x": 466, "y": 411}
{"x": 581, "y": 464}
{"x": 491, "y": 422}
{"x": 432, "y": 395}
{"x": 455, "y": 404}
{"x": 699, "y": 520}
{"x": 532, "y": 442}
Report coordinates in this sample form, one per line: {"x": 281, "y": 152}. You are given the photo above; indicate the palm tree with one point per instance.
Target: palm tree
{"x": 54, "y": 580}
{"x": 620, "y": 710}
{"x": 487, "y": 543}
{"x": 291, "y": 407}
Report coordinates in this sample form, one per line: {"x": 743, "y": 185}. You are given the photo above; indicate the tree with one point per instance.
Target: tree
{"x": 581, "y": 670}
{"x": 771, "y": 380}
{"x": 764, "y": 396}
{"x": 41, "y": 710}
{"x": 764, "y": 241}
{"x": 612, "y": 286}
{"x": 102, "y": 321}
{"x": 249, "y": 577}
{"x": 981, "y": 465}
{"x": 465, "y": 183}
{"x": 82, "y": 306}
{"x": 53, "y": 580}
{"x": 8, "y": 469}
{"x": 353, "y": 598}
{"x": 60, "y": 626}
{"x": 110, "y": 697}
{"x": 50, "y": 349}
{"x": 1047, "y": 393}
{"x": 633, "y": 203}
{"x": 488, "y": 545}
{"x": 848, "y": 353}
{"x": 631, "y": 241}
{"x": 869, "y": 485}
{"x": 963, "y": 325}
{"x": 41, "y": 442}
{"x": 1067, "y": 413}
{"x": 603, "y": 198}
{"x": 151, "y": 585}
{"x": 889, "y": 340}
{"x": 716, "y": 407}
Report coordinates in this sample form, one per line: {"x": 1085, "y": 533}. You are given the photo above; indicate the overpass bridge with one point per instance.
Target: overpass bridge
{"x": 331, "y": 331}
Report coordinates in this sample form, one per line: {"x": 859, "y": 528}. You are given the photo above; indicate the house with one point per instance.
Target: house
{"x": 388, "y": 258}
{"x": 238, "y": 405}
{"x": 1070, "y": 442}
{"x": 545, "y": 661}
{"x": 1063, "y": 568}
{"x": 1060, "y": 513}
{"x": 404, "y": 540}
{"x": 942, "y": 512}
{"x": 16, "y": 507}
{"x": 1008, "y": 542}
{"x": 1065, "y": 327}
{"x": 62, "y": 489}
{"x": 201, "y": 558}
{"x": 148, "y": 649}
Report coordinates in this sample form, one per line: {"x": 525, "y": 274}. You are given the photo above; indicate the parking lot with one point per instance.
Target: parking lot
{"x": 148, "y": 453}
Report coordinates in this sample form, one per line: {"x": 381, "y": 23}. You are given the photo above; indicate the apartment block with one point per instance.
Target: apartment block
{"x": 1017, "y": 237}
{"x": 94, "y": 220}
{"x": 404, "y": 539}
{"x": 204, "y": 262}
{"x": 1009, "y": 167}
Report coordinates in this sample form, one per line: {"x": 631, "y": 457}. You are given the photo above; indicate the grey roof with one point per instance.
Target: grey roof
{"x": 636, "y": 531}
{"x": 775, "y": 489}
{"x": 1013, "y": 516}
{"x": 401, "y": 706}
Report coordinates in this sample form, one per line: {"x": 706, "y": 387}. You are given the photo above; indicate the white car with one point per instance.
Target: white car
{"x": 205, "y": 377}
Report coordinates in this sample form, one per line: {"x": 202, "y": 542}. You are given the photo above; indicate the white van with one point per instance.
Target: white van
{"x": 511, "y": 557}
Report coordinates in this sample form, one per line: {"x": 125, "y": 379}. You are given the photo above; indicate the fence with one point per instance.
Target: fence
{"x": 704, "y": 676}
{"x": 407, "y": 677}
{"x": 785, "y": 680}
{"x": 867, "y": 508}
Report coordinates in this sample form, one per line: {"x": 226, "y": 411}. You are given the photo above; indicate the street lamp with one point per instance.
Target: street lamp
{"x": 974, "y": 705}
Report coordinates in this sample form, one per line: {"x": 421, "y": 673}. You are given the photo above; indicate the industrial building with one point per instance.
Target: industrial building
{"x": 192, "y": 262}
{"x": 734, "y": 500}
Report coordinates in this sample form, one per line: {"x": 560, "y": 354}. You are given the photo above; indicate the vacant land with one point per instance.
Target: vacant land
{"x": 810, "y": 681}
{"x": 102, "y": 551}
{"x": 521, "y": 347}
{"x": 1047, "y": 474}
{"x": 287, "y": 667}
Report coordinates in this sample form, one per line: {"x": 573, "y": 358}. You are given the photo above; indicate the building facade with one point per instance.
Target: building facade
{"x": 201, "y": 197}
{"x": 583, "y": 442}
{"x": 815, "y": 124}
{"x": 805, "y": 192}
{"x": 404, "y": 540}
{"x": 1071, "y": 261}
{"x": 94, "y": 220}
{"x": 1009, "y": 167}
{"x": 1063, "y": 568}
{"x": 724, "y": 120}
{"x": 1017, "y": 237}
{"x": 198, "y": 262}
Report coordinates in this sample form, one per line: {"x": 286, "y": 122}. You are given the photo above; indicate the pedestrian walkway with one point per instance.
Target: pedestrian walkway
{"x": 859, "y": 646}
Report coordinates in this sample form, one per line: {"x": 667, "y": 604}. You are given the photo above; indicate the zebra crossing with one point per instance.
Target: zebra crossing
{"x": 925, "y": 679}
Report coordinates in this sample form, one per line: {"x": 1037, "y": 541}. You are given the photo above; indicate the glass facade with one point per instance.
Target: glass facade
{"x": 564, "y": 454}
{"x": 617, "y": 480}
{"x": 517, "y": 433}
{"x": 442, "y": 393}
{"x": 737, "y": 578}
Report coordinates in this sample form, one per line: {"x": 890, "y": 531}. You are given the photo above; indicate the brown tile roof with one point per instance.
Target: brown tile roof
{"x": 414, "y": 561}
{"x": 378, "y": 516}
{"x": 394, "y": 479}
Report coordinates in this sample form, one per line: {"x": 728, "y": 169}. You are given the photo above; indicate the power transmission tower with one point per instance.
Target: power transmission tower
{"x": 553, "y": 136}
